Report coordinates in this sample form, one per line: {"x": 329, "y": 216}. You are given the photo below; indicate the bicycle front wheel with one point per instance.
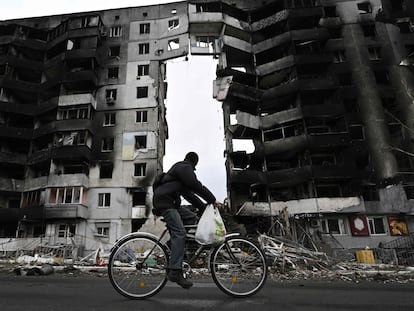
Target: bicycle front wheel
{"x": 238, "y": 267}
{"x": 137, "y": 267}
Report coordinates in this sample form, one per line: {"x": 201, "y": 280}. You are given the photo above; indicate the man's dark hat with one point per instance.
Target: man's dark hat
{"x": 191, "y": 157}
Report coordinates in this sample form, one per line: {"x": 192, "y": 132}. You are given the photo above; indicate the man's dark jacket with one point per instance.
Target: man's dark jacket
{"x": 180, "y": 180}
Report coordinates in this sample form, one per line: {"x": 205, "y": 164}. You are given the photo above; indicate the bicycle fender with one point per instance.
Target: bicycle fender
{"x": 230, "y": 235}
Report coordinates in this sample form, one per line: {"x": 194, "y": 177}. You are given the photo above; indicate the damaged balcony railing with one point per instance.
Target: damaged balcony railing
{"x": 403, "y": 247}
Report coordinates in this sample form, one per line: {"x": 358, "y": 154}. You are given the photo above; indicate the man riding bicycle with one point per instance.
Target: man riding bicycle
{"x": 180, "y": 180}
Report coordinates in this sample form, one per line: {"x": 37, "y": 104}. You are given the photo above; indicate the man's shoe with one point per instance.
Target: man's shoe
{"x": 177, "y": 277}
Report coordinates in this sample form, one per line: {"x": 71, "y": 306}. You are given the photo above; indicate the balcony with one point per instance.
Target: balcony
{"x": 77, "y": 99}
{"x": 289, "y": 177}
{"x": 296, "y": 85}
{"x": 35, "y": 183}
{"x": 329, "y": 141}
{"x": 13, "y": 158}
{"x": 84, "y": 79}
{"x": 206, "y": 22}
{"x": 15, "y": 132}
{"x": 11, "y": 185}
{"x": 68, "y": 180}
{"x": 72, "y": 152}
{"x": 39, "y": 156}
{"x": 64, "y": 211}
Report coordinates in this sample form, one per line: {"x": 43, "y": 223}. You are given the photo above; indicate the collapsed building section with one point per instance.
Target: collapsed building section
{"x": 320, "y": 90}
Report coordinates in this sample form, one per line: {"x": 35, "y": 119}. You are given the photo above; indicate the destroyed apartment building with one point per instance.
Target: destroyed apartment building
{"x": 322, "y": 89}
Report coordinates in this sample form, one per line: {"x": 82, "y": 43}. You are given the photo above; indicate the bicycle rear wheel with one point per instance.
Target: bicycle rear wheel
{"x": 137, "y": 267}
{"x": 238, "y": 267}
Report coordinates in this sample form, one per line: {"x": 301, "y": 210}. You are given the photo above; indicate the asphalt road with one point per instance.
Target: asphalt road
{"x": 64, "y": 293}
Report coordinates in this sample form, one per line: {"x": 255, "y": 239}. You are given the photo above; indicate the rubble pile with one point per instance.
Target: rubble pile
{"x": 289, "y": 261}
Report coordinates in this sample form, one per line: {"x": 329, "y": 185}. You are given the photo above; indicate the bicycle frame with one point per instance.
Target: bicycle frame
{"x": 194, "y": 256}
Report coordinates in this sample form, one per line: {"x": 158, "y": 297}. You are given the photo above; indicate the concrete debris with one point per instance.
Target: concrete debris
{"x": 45, "y": 269}
{"x": 289, "y": 261}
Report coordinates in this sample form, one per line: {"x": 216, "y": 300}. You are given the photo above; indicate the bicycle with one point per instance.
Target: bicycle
{"x": 137, "y": 266}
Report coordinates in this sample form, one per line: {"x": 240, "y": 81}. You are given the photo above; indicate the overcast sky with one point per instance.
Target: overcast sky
{"x": 194, "y": 117}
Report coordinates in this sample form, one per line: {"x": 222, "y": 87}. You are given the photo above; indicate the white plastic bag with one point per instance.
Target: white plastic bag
{"x": 210, "y": 229}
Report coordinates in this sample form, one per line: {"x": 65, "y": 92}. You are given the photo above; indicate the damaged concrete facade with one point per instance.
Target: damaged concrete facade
{"x": 83, "y": 122}
{"x": 323, "y": 89}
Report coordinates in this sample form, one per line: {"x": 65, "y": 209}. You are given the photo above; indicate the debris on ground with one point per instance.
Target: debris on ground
{"x": 288, "y": 261}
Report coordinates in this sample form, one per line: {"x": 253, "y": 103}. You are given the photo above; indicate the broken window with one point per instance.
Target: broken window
{"x": 323, "y": 159}
{"x": 70, "y": 195}
{"x": 334, "y": 226}
{"x": 356, "y": 131}
{"x": 330, "y": 11}
{"x": 140, "y": 142}
{"x": 173, "y": 24}
{"x": 106, "y": 169}
{"x": 361, "y": 161}
{"x": 173, "y": 44}
{"x": 138, "y": 198}
{"x": 382, "y": 77}
{"x": 364, "y": 7}
{"x": 369, "y": 30}
{"x": 143, "y": 48}
{"x": 140, "y": 169}
{"x": 396, "y": 131}
{"x": 73, "y": 112}
{"x": 109, "y": 119}
{"x": 66, "y": 230}
{"x": 351, "y": 105}
{"x": 113, "y": 72}
{"x": 115, "y": 32}
{"x": 208, "y": 7}
{"x": 288, "y": 130}
{"x": 410, "y": 49}
{"x": 142, "y": 91}
{"x": 327, "y": 190}
{"x": 107, "y": 144}
{"x": 370, "y": 193}
{"x": 310, "y": 46}
{"x": 31, "y": 198}
{"x": 104, "y": 200}
{"x": 142, "y": 70}
{"x": 374, "y": 53}
{"x": 376, "y": 225}
{"x": 339, "y": 56}
{"x": 141, "y": 116}
{"x": 110, "y": 95}
{"x": 102, "y": 229}
{"x": 324, "y": 125}
{"x": 71, "y": 138}
{"x": 144, "y": 28}
{"x": 409, "y": 191}
{"x": 114, "y": 51}
{"x": 405, "y": 162}
{"x": 206, "y": 42}
{"x": 345, "y": 79}
{"x": 90, "y": 21}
